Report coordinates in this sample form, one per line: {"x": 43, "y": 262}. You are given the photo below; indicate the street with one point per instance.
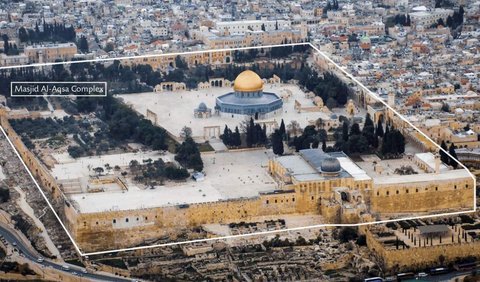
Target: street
{"x": 10, "y": 236}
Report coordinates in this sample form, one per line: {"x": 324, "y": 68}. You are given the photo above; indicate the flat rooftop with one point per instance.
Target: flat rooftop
{"x": 70, "y": 168}
{"x": 228, "y": 175}
{"x": 423, "y": 177}
{"x": 306, "y": 165}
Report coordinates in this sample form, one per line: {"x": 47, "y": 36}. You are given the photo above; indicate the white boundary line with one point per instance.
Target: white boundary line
{"x": 40, "y": 189}
{"x": 154, "y": 55}
{"x": 255, "y": 233}
{"x": 373, "y": 95}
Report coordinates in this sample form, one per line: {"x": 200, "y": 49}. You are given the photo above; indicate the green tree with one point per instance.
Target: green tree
{"x": 379, "y": 130}
{"x": 188, "y": 155}
{"x": 23, "y": 34}
{"x": 445, "y": 107}
{"x": 443, "y": 156}
{"x": 83, "y": 44}
{"x": 6, "y": 46}
{"x": 453, "y": 161}
{"x": 75, "y": 151}
{"x": 236, "y": 139}
{"x": 282, "y": 130}
{"x": 345, "y": 129}
{"x": 226, "y": 136}
{"x": 250, "y": 133}
{"x": 277, "y": 142}
{"x": 449, "y": 21}
{"x": 369, "y": 132}
{"x": 4, "y": 195}
{"x": 180, "y": 63}
{"x": 355, "y": 129}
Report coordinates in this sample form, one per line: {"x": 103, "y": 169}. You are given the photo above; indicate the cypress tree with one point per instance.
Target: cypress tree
{"x": 282, "y": 129}
{"x": 277, "y": 143}
{"x": 369, "y": 132}
{"x": 250, "y": 133}
{"x": 345, "y": 130}
{"x": 355, "y": 130}
{"x": 236, "y": 140}
{"x": 379, "y": 130}
{"x": 385, "y": 141}
{"x": 452, "y": 152}
{"x": 443, "y": 156}
{"x": 226, "y": 136}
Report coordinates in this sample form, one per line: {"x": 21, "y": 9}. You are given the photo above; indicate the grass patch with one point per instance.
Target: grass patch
{"x": 205, "y": 147}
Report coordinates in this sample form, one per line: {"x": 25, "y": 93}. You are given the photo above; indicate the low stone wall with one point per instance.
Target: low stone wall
{"x": 420, "y": 257}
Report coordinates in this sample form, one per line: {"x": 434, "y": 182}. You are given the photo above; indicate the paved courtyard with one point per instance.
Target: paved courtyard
{"x": 175, "y": 109}
{"x": 246, "y": 172}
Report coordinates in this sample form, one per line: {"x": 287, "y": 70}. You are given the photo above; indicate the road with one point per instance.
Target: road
{"x": 449, "y": 276}
{"x": 10, "y": 236}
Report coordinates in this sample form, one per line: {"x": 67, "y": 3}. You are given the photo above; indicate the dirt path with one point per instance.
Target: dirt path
{"x": 22, "y": 203}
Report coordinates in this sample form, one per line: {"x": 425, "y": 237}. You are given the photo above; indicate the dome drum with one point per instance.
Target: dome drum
{"x": 248, "y": 97}
{"x": 330, "y": 166}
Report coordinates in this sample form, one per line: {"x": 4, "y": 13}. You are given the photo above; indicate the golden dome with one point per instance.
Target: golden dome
{"x": 248, "y": 81}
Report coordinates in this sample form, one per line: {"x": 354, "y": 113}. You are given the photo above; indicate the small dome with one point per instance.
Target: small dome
{"x": 202, "y": 107}
{"x": 248, "y": 81}
{"x": 330, "y": 165}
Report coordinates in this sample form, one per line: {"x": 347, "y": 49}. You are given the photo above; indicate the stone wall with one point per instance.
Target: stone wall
{"x": 40, "y": 173}
{"x": 117, "y": 229}
{"x": 420, "y": 257}
{"x": 423, "y": 197}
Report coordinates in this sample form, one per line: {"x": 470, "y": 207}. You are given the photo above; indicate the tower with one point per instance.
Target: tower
{"x": 391, "y": 99}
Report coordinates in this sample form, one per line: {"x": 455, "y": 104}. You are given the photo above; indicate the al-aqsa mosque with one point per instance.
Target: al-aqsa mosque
{"x": 248, "y": 98}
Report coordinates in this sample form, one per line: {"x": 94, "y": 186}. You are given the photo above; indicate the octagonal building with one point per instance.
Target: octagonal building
{"x": 248, "y": 98}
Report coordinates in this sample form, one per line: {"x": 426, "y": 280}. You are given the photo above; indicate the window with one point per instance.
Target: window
{"x": 275, "y": 201}
{"x": 388, "y": 193}
{"x": 416, "y": 190}
{"x": 312, "y": 198}
{"x": 406, "y": 191}
{"x": 267, "y": 202}
{"x": 293, "y": 199}
{"x": 378, "y": 193}
{"x": 126, "y": 219}
{"x": 397, "y": 192}
{"x": 114, "y": 221}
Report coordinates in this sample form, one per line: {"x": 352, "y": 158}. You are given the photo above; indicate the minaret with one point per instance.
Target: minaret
{"x": 391, "y": 99}
{"x": 437, "y": 163}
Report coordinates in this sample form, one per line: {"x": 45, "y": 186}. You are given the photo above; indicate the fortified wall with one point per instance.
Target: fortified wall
{"x": 114, "y": 229}
{"x": 420, "y": 257}
{"x": 39, "y": 171}
{"x": 423, "y": 196}
{"x": 123, "y": 228}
